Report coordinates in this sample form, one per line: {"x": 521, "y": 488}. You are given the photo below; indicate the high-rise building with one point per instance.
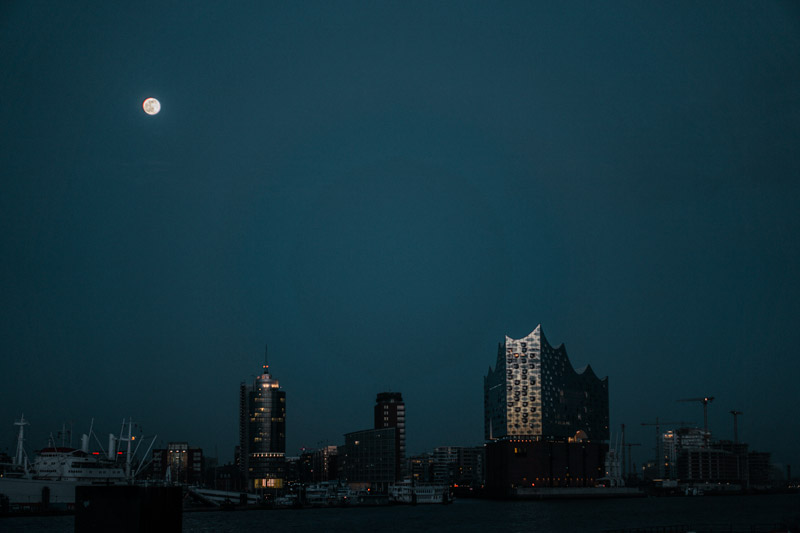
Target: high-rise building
{"x": 262, "y": 432}
{"x": 390, "y": 412}
{"x": 534, "y": 392}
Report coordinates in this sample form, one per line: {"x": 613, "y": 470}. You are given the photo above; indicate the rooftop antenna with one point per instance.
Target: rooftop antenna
{"x": 266, "y": 363}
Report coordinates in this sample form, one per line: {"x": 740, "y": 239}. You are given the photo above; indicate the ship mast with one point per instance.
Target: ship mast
{"x": 128, "y": 454}
{"x": 129, "y": 438}
{"x": 20, "y": 455}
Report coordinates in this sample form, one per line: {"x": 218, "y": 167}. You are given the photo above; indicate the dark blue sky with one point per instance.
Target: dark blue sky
{"x": 382, "y": 191}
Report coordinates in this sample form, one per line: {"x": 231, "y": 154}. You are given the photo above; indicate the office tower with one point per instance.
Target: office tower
{"x": 390, "y": 412}
{"x": 262, "y": 432}
{"x": 534, "y": 392}
{"x": 370, "y": 457}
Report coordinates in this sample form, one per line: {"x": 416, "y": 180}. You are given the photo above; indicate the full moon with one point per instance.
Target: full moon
{"x": 151, "y": 106}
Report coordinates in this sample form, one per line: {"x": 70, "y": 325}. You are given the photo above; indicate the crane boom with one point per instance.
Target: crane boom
{"x": 705, "y": 401}
{"x": 736, "y": 413}
{"x": 659, "y": 455}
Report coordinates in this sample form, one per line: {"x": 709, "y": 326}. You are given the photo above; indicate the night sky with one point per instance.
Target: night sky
{"x": 381, "y": 191}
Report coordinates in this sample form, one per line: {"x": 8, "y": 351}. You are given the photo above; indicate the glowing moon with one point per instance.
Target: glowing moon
{"x": 151, "y": 106}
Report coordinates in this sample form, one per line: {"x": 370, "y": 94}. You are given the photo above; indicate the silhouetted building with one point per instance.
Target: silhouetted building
{"x": 471, "y": 466}
{"x": 303, "y": 467}
{"x": 445, "y": 464}
{"x": 390, "y": 412}
{"x": 689, "y": 457}
{"x": 738, "y": 449}
{"x": 534, "y": 392}
{"x": 318, "y": 465}
{"x": 184, "y": 464}
{"x": 262, "y": 432}
{"x": 458, "y": 465}
{"x": 370, "y": 456}
{"x": 708, "y": 465}
{"x": 524, "y": 463}
{"x": 227, "y": 477}
{"x": 759, "y": 468}
{"x": 673, "y": 442}
{"x": 421, "y": 467}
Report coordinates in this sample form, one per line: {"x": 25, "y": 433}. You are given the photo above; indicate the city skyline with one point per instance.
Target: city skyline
{"x": 643, "y": 455}
{"x": 382, "y": 192}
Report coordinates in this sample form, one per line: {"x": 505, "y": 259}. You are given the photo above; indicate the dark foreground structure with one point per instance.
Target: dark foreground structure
{"x": 128, "y": 509}
{"x": 519, "y": 463}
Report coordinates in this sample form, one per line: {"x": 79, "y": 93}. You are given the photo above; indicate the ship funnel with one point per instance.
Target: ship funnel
{"x": 85, "y": 443}
{"x": 112, "y": 444}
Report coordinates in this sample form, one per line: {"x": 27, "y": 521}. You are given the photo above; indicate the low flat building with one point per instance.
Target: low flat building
{"x": 707, "y": 465}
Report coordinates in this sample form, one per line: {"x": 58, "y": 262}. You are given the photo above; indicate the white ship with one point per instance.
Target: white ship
{"x": 50, "y": 480}
{"x": 329, "y": 494}
{"x": 409, "y": 492}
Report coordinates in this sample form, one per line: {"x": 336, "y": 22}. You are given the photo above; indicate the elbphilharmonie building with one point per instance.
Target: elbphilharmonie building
{"x": 534, "y": 392}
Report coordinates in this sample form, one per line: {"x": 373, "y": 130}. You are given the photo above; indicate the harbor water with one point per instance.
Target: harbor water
{"x": 706, "y": 513}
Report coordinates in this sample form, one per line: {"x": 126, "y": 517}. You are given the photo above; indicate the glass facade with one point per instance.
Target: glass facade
{"x": 533, "y": 391}
{"x": 370, "y": 456}
{"x": 262, "y": 432}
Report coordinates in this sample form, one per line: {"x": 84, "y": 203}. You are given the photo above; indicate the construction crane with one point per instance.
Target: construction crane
{"x": 623, "y": 451}
{"x": 659, "y": 455}
{"x": 705, "y": 401}
{"x": 629, "y": 444}
{"x": 735, "y": 413}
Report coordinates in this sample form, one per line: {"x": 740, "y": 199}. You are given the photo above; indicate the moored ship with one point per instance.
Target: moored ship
{"x": 49, "y": 481}
{"x": 413, "y": 493}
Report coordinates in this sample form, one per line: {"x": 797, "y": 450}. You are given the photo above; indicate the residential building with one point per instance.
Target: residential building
{"x": 390, "y": 412}
{"x": 445, "y": 464}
